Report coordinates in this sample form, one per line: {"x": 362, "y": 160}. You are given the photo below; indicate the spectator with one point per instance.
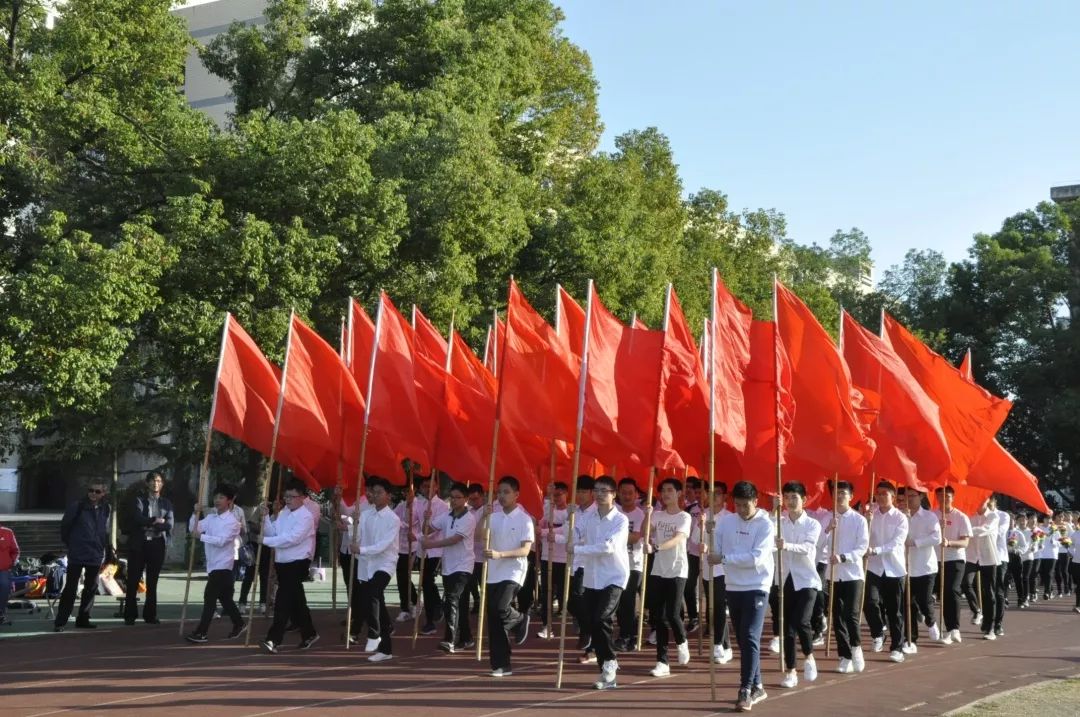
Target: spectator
{"x": 85, "y": 532}
{"x": 9, "y": 553}
{"x": 151, "y": 528}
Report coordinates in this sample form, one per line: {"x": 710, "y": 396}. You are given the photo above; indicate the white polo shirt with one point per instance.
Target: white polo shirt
{"x": 438, "y": 507}
{"x": 852, "y": 542}
{"x": 219, "y": 534}
{"x": 508, "y": 532}
{"x": 378, "y": 543}
{"x": 800, "y": 551}
{"x": 982, "y": 548}
{"x": 888, "y": 533}
{"x": 636, "y": 552}
{"x": 291, "y": 533}
{"x": 1004, "y": 523}
{"x": 553, "y": 527}
{"x": 957, "y": 526}
{"x": 457, "y": 558}
{"x": 924, "y": 534}
{"x": 603, "y": 549}
{"x": 1046, "y": 548}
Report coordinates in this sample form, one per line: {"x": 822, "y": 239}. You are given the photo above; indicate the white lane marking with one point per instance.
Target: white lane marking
{"x": 911, "y": 707}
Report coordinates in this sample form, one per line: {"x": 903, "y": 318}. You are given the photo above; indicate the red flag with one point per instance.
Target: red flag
{"x": 827, "y": 431}
{"x": 729, "y": 350}
{"x": 247, "y": 390}
{"x": 770, "y": 407}
{"x": 682, "y": 431}
{"x": 911, "y": 445}
{"x": 999, "y": 471}
{"x": 970, "y": 416}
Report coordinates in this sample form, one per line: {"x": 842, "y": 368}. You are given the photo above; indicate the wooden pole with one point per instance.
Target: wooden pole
{"x": 941, "y": 574}
{"x": 204, "y": 471}
{"x": 335, "y": 511}
{"x": 779, "y": 478}
{"x": 709, "y": 340}
{"x": 487, "y": 539}
{"x": 832, "y": 567}
{"x": 424, "y": 524}
{"x": 645, "y": 556}
{"x": 550, "y": 549}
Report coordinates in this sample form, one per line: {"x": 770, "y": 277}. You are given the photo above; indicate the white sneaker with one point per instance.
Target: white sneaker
{"x": 372, "y": 644}
{"x": 896, "y": 656}
{"x": 976, "y": 619}
{"x": 500, "y": 672}
{"x": 380, "y": 657}
{"x": 728, "y": 656}
{"x": 935, "y": 633}
{"x": 774, "y": 645}
{"x": 610, "y": 668}
{"x": 720, "y": 655}
{"x": 809, "y": 670}
{"x": 845, "y": 667}
{"x": 684, "y": 652}
{"x": 879, "y": 644}
{"x": 956, "y": 637}
{"x": 651, "y": 639}
{"x": 661, "y": 670}
{"x": 910, "y": 648}
{"x": 404, "y": 616}
{"x": 857, "y": 659}
{"x": 790, "y": 679}
{"x": 990, "y": 636}
{"x": 546, "y": 633}
{"x": 947, "y": 640}
{"x": 819, "y": 640}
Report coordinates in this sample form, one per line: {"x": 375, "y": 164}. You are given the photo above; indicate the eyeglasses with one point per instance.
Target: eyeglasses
{"x": 95, "y": 491}
{"x": 603, "y": 491}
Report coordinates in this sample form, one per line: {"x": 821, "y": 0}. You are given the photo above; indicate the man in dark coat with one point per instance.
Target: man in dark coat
{"x": 149, "y": 531}
{"x": 85, "y": 532}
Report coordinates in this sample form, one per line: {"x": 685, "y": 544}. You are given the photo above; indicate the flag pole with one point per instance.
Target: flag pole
{"x": 266, "y": 482}
{"x": 335, "y": 510}
{"x": 582, "y": 380}
{"x": 550, "y": 548}
{"x": 354, "y": 559}
{"x": 779, "y": 473}
{"x": 204, "y": 473}
{"x": 491, "y": 470}
{"x": 709, "y": 339}
{"x": 835, "y": 532}
{"x": 424, "y": 525}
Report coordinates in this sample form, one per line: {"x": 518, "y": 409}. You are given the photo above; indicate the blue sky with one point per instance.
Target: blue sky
{"x": 920, "y": 123}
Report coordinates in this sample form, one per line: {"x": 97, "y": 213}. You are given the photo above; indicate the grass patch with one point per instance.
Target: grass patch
{"x": 1055, "y": 698}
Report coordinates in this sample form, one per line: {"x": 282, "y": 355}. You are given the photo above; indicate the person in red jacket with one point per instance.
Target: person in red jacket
{"x": 9, "y": 553}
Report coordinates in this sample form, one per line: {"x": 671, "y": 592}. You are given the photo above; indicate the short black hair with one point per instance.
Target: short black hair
{"x": 886, "y": 485}
{"x": 151, "y": 475}
{"x": 512, "y": 482}
{"x": 720, "y": 487}
{"x": 297, "y": 485}
{"x": 605, "y": 481}
{"x": 672, "y": 482}
{"x": 226, "y": 490}
{"x": 693, "y": 482}
{"x": 459, "y": 487}
{"x": 744, "y": 490}
{"x": 585, "y": 482}
{"x": 845, "y": 485}
{"x": 796, "y": 487}
{"x": 629, "y": 481}
{"x": 561, "y": 485}
{"x": 946, "y": 489}
{"x": 476, "y": 489}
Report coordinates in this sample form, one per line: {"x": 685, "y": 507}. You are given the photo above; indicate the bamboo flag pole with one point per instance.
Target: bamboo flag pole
{"x": 832, "y": 566}
{"x": 491, "y": 474}
{"x": 779, "y": 472}
{"x": 354, "y": 549}
{"x": 941, "y": 574}
{"x": 204, "y": 472}
{"x": 649, "y": 492}
{"x": 266, "y": 480}
{"x": 424, "y": 526}
{"x": 907, "y": 593}
{"x": 550, "y": 548}
{"x": 582, "y": 379}
{"x": 709, "y": 339}
{"x": 335, "y": 510}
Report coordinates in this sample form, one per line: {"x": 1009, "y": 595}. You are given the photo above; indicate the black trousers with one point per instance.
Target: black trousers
{"x": 847, "y": 595}
{"x": 456, "y": 608}
{"x": 922, "y": 599}
{"x": 883, "y": 599}
{"x": 527, "y": 594}
{"x": 971, "y": 572}
{"x": 558, "y": 575}
{"x": 432, "y": 598}
{"x": 988, "y": 586}
{"x": 955, "y": 570}
{"x": 774, "y": 609}
{"x": 1046, "y": 572}
{"x": 71, "y": 585}
{"x": 1061, "y": 573}
{"x": 1074, "y": 570}
{"x": 720, "y": 633}
{"x": 798, "y": 613}
{"x": 289, "y": 603}
{"x": 599, "y": 608}
{"x": 345, "y": 567}
{"x": 627, "y": 611}
{"x": 143, "y": 556}
{"x": 474, "y": 584}
{"x": 1000, "y": 571}
{"x": 690, "y": 593}
{"x": 669, "y": 593}
{"x": 405, "y": 587}
{"x": 821, "y": 604}
{"x": 375, "y": 613}
{"x": 577, "y": 592}
{"x": 219, "y": 588}
{"x": 1015, "y": 575}
{"x": 264, "y": 575}
{"x": 501, "y": 618}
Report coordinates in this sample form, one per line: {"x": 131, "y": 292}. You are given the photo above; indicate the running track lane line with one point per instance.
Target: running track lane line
{"x": 564, "y": 698}
{"x": 28, "y": 685}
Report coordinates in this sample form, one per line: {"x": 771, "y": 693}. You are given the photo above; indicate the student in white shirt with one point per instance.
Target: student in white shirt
{"x": 955, "y": 534}
{"x": 478, "y": 506}
{"x": 744, "y": 547}
{"x": 346, "y": 519}
{"x": 923, "y": 541}
{"x": 885, "y": 572}
{"x": 819, "y": 622}
{"x": 458, "y": 526}
{"x": 798, "y": 541}
{"x": 512, "y": 536}
{"x": 432, "y": 507}
{"x": 693, "y": 505}
{"x": 1074, "y": 565}
{"x": 852, "y": 540}
{"x": 982, "y": 553}
{"x": 1016, "y": 543}
{"x": 552, "y": 537}
{"x": 292, "y": 534}
{"x": 600, "y": 545}
{"x": 375, "y": 547}
{"x": 722, "y": 653}
{"x": 667, "y": 581}
{"x": 1046, "y": 548}
{"x": 409, "y": 519}
{"x": 629, "y": 497}
{"x": 1061, "y": 565}
{"x": 218, "y": 531}
{"x": 1028, "y": 562}
{"x": 584, "y": 503}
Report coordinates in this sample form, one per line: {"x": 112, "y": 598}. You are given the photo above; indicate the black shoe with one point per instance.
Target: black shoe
{"x": 237, "y": 631}
{"x": 999, "y": 631}
{"x": 58, "y": 628}
{"x": 693, "y": 625}
{"x": 292, "y": 627}
{"x": 268, "y": 647}
{"x": 129, "y": 622}
{"x": 428, "y": 629}
{"x": 521, "y": 630}
{"x": 584, "y": 642}
{"x": 152, "y": 621}
{"x": 85, "y": 625}
{"x": 197, "y": 638}
{"x": 306, "y": 644}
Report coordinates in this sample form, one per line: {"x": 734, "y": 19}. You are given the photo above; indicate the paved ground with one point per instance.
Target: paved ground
{"x": 117, "y": 669}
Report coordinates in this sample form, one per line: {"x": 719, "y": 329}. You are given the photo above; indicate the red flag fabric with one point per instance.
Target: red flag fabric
{"x": 826, "y": 430}
{"x": 970, "y": 416}
{"x": 682, "y": 431}
{"x": 730, "y": 356}
{"x": 911, "y": 445}
{"x": 766, "y": 412}
{"x": 538, "y": 377}
{"x": 999, "y": 471}
{"x": 247, "y": 390}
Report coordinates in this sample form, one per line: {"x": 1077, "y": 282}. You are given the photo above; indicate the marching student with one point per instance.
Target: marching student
{"x": 692, "y": 505}
{"x": 376, "y": 548}
{"x": 584, "y": 504}
{"x": 956, "y": 532}
{"x": 744, "y": 547}
{"x": 552, "y": 535}
{"x": 1046, "y": 542}
{"x": 459, "y": 527}
{"x": 434, "y": 507}
{"x": 1000, "y": 575}
{"x": 1061, "y": 564}
{"x": 218, "y": 531}
{"x": 478, "y": 507}
{"x": 924, "y": 538}
{"x": 600, "y": 545}
{"x": 885, "y": 572}
{"x": 407, "y": 550}
{"x": 629, "y": 497}
{"x": 852, "y": 542}
{"x": 819, "y": 621}
{"x": 1074, "y": 565}
{"x": 1017, "y": 544}
{"x": 667, "y": 581}
{"x": 292, "y": 533}
{"x": 722, "y": 653}
{"x": 512, "y": 536}
{"x": 798, "y": 541}
{"x": 1028, "y": 562}
{"x": 982, "y": 553}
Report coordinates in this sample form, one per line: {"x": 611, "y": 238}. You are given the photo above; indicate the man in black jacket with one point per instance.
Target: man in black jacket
{"x": 149, "y": 532}
{"x": 85, "y": 532}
